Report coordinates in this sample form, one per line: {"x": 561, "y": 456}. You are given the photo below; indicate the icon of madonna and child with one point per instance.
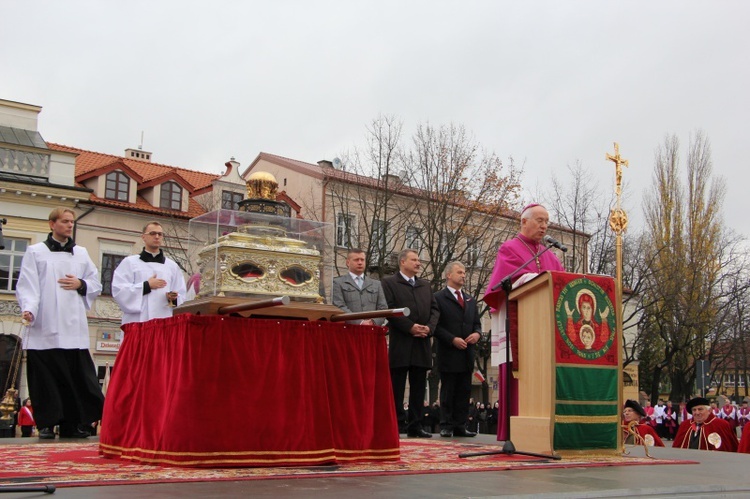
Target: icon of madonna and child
{"x": 586, "y": 334}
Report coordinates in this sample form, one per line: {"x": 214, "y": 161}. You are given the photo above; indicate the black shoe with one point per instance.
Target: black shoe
{"x": 75, "y": 434}
{"x": 460, "y": 432}
{"x": 446, "y": 433}
{"x": 47, "y": 434}
{"x": 419, "y": 434}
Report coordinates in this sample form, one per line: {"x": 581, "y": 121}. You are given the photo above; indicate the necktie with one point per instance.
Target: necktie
{"x": 460, "y": 298}
{"x": 411, "y": 281}
{"x": 359, "y": 281}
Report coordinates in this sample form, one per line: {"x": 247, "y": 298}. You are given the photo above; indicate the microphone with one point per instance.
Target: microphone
{"x": 554, "y": 242}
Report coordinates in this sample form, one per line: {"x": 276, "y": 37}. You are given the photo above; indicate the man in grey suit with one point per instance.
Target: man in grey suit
{"x": 355, "y": 292}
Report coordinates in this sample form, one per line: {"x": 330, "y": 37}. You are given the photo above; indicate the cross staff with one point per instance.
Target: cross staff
{"x": 618, "y": 161}
{"x": 618, "y": 222}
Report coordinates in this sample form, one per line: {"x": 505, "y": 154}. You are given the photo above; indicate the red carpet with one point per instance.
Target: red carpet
{"x": 79, "y": 464}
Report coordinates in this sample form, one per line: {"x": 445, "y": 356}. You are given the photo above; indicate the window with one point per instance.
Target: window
{"x": 379, "y": 240}
{"x": 443, "y": 248}
{"x": 109, "y": 264}
{"x": 346, "y": 234}
{"x": 171, "y": 196}
{"x": 118, "y": 185}
{"x": 10, "y": 262}
{"x": 230, "y": 200}
{"x": 570, "y": 264}
{"x": 414, "y": 239}
{"x": 474, "y": 253}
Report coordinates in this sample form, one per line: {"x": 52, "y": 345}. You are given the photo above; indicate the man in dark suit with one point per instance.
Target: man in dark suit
{"x": 409, "y": 350}
{"x": 458, "y": 331}
{"x": 355, "y": 292}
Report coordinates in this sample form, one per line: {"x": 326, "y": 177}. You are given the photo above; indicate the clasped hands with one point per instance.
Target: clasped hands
{"x": 419, "y": 331}
{"x": 463, "y": 344}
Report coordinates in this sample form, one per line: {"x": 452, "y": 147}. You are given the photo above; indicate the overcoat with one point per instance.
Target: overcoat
{"x": 405, "y": 350}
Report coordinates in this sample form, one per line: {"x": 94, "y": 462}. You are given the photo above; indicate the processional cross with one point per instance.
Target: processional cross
{"x": 618, "y": 220}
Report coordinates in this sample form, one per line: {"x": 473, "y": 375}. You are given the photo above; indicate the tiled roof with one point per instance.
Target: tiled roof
{"x": 332, "y": 173}
{"x": 194, "y": 208}
{"x": 320, "y": 172}
{"x": 90, "y": 161}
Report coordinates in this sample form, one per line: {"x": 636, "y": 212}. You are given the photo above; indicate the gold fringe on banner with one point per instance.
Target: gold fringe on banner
{"x": 587, "y": 419}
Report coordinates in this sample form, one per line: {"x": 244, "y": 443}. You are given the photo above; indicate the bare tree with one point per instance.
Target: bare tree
{"x": 467, "y": 196}
{"x": 579, "y": 206}
{"x": 371, "y": 195}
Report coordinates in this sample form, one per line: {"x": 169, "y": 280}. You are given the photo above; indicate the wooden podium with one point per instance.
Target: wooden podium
{"x": 569, "y": 385}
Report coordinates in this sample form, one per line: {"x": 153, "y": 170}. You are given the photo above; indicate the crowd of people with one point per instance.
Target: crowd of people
{"x": 665, "y": 417}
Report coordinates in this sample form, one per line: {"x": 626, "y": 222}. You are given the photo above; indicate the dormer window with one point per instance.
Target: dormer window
{"x": 171, "y": 196}
{"x": 118, "y": 185}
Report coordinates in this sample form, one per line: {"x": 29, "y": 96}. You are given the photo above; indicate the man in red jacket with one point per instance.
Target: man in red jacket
{"x": 705, "y": 431}
{"x": 632, "y": 414}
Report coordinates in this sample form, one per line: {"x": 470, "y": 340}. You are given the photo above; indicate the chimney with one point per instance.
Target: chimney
{"x": 138, "y": 154}
{"x": 391, "y": 177}
{"x": 324, "y": 163}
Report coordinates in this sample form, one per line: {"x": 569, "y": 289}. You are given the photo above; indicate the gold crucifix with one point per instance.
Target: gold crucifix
{"x": 618, "y": 161}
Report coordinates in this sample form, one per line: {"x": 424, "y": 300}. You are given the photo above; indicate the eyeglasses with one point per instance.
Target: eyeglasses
{"x": 154, "y": 233}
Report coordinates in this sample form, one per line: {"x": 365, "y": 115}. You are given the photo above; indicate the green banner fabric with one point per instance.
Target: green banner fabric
{"x": 584, "y": 436}
{"x": 581, "y": 383}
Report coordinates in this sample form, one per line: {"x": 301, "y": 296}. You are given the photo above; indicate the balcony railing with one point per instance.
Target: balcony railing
{"x": 24, "y": 163}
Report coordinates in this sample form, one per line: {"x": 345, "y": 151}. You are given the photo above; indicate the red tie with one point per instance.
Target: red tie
{"x": 460, "y": 298}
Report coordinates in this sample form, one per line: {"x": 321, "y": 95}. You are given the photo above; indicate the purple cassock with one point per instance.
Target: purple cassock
{"x": 511, "y": 255}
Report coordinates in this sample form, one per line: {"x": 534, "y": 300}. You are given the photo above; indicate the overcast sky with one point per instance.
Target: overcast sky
{"x": 548, "y": 83}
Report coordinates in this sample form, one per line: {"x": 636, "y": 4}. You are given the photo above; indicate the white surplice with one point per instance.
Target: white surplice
{"x": 497, "y": 326}
{"x": 127, "y": 288}
{"x": 59, "y": 314}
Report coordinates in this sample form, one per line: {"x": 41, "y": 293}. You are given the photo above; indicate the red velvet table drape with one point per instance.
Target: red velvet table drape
{"x": 211, "y": 391}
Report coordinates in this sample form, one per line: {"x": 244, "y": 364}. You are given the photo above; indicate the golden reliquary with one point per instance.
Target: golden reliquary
{"x": 259, "y": 250}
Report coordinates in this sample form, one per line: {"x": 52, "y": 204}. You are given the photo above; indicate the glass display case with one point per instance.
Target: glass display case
{"x": 241, "y": 253}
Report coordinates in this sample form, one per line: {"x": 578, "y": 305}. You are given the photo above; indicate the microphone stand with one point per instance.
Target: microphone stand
{"x": 47, "y": 489}
{"x": 508, "y": 447}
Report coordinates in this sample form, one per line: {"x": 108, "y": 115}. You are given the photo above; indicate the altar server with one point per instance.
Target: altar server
{"x": 57, "y": 284}
{"x": 149, "y": 285}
